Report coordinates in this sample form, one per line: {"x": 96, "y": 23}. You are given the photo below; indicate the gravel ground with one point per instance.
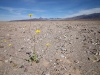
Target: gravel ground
{"x": 60, "y": 47}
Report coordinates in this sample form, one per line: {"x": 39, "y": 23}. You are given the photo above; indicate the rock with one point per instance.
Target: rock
{"x": 98, "y": 31}
{"x": 11, "y": 61}
{"x": 5, "y": 50}
{"x": 25, "y": 70}
{"x": 62, "y": 56}
{"x": 63, "y": 49}
{"x": 28, "y": 53}
{"x": 6, "y": 61}
{"x": 77, "y": 38}
{"x": 22, "y": 66}
{"x": 48, "y": 74}
{"x": 22, "y": 48}
{"x": 58, "y": 61}
{"x": 93, "y": 51}
{"x": 1, "y": 46}
{"x": 76, "y": 61}
{"x": 43, "y": 73}
{"x": 93, "y": 58}
{"x": 60, "y": 74}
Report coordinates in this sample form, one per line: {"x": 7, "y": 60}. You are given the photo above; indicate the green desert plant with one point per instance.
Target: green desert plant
{"x": 33, "y": 58}
{"x": 34, "y": 55}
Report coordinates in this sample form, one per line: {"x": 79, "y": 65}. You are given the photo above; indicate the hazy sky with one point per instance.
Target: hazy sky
{"x": 19, "y": 9}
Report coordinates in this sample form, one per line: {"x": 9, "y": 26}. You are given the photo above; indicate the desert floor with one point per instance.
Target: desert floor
{"x": 73, "y": 48}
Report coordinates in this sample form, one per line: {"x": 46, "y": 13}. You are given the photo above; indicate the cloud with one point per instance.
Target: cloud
{"x": 13, "y": 10}
{"x": 6, "y": 8}
{"x": 19, "y": 11}
{"x": 14, "y": 17}
{"x": 38, "y": 10}
{"x": 86, "y": 12}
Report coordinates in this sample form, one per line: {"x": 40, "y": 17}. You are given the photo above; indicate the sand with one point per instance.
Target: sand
{"x": 74, "y": 48}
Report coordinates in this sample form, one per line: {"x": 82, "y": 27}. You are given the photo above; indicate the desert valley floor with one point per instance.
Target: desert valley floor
{"x": 59, "y": 47}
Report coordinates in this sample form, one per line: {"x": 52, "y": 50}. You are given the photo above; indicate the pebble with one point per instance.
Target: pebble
{"x": 75, "y": 61}
{"x": 5, "y": 50}
{"x": 93, "y": 58}
{"x": 98, "y": 53}
{"x": 10, "y": 58}
{"x": 1, "y": 46}
{"x": 8, "y": 34}
{"x": 60, "y": 74}
{"x": 50, "y": 60}
{"x": 22, "y": 47}
{"x": 6, "y": 61}
{"x": 48, "y": 74}
{"x": 42, "y": 50}
{"x": 54, "y": 63}
{"x": 22, "y": 66}
{"x": 62, "y": 56}
{"x": 28, "y": 39}
{"x": 70, "y": 42}
{"x": 25, "y": 70}
{"x": 65, "y": 36}
{"x": 19, "y": 50}
{"x": 63, "y": 49}
{"x": 98, "y": 31}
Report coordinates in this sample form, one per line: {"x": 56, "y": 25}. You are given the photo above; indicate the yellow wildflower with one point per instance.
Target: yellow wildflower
{"x": 5, "y": 40}
{"x": 47, "y": 44}
{"x": 9, "y": 44}
{"x": 25, "y": 25}
{"x": 38, "y": 31}
{"x": 14, "y": 65}
{"x": 30, "y": 15}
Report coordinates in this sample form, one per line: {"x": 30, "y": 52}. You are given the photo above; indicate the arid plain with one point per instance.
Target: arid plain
{"x": 61, "y": 48}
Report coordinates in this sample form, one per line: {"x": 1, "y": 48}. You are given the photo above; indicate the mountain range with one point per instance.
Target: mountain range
{"x": 94, "y": 16}
{"x": 89, "y": 16}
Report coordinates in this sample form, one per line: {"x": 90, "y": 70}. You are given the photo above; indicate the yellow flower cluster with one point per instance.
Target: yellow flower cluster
{"x": 25, "y": 25}
{"x": 38, "y": 31}
{"x": 9, "y": 45}
{"x": 47, "y": 44}
{"x": 4, "y": 40}
{"x": 30, "y": 15}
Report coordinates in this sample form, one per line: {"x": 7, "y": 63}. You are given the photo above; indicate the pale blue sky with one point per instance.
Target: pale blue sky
{"x": 19, "y": 9}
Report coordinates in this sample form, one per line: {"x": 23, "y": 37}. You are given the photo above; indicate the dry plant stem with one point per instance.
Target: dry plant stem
{"x": 34, "y": 43}
{"x": 46, "y": 49}
{"x": 33, "y": 38}
{"x": 30, "y": 20}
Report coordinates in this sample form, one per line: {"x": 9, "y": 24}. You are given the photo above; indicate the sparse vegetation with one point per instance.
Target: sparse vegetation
{"x": 61, "y": 48}
{"x": 33, "y": 58}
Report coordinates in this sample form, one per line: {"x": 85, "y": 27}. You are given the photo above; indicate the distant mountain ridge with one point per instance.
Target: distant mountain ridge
{"x": 89, "y": 16}
{"x": 80, "y": 17}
